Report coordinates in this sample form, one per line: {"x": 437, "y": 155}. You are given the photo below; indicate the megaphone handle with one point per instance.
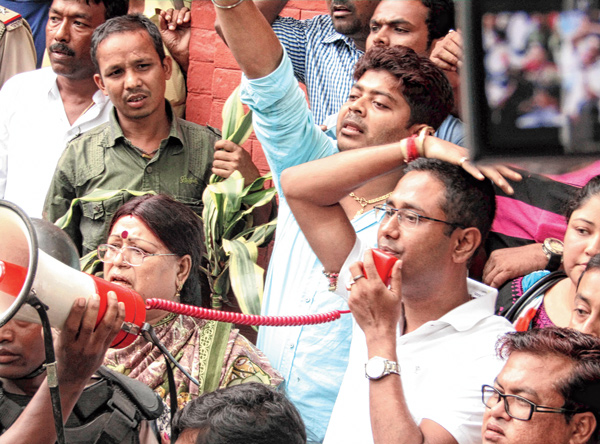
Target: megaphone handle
{"x": 148, "y": 333}
{"x": 51, "y": 372}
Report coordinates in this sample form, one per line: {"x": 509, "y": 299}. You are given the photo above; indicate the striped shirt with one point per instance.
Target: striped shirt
{"x": 322, "y": 59}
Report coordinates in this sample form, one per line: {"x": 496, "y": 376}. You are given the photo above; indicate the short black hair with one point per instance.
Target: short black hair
{"x": 113, "y": 8}
{"x": 593, "y": 264}
{"x": 468, "y": 202}
{"x": 250, "y": 413}
{"x": 126, "y": 23}
{"x": 440, "y": 19}
{"x": 423, "y": 85}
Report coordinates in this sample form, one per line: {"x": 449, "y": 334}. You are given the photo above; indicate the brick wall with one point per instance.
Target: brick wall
{"x": 213, "y": 72}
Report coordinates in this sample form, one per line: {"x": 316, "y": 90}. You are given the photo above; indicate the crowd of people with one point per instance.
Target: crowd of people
{"x": 487, "y": 329}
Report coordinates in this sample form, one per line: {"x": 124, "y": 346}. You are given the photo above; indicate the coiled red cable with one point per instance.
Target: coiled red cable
{"x": 240, "y": 318}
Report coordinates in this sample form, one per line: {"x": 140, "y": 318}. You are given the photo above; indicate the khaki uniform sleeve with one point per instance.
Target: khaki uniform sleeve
{"x": 17, "y": 51}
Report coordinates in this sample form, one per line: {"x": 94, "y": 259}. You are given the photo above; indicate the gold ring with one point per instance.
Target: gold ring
{"x": 462, "y": 160}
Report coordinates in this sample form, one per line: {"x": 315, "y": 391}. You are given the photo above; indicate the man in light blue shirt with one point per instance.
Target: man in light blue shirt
{"x": 313, "y": 358}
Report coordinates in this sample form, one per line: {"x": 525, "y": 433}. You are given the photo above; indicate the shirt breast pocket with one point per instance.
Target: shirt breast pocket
{"x": 96, "y": 218}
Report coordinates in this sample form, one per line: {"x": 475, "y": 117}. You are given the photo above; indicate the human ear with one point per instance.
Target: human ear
{"x": 184, "y": 265}
{"x": 584, "y": 424}
{"x": 100, "y": 84}
{"x": 415, "y": 128}
{"x": 167, "y": 64}
{"x": 467, "y": 241}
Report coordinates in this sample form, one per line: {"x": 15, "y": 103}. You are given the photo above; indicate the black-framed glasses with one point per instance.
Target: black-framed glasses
{"x": 515, "y": 406}
{"x": 409, "y": 218}
{"x": 131, "y": 255}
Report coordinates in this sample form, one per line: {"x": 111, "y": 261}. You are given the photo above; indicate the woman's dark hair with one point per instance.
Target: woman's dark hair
{"x": 179, "y": 228}
{"x": 580, "y": 198}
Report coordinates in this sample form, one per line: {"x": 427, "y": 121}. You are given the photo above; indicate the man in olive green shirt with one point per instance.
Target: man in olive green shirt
{"x": 143, "y": 147}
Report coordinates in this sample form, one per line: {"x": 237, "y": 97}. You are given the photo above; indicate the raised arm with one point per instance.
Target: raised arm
{"x": 315, "y": 201}
{"x": 249, "y": 37}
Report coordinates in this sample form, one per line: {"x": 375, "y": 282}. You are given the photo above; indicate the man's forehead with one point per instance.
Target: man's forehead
{"x": 413, "y": 11}
{"x": 144, "y": 45}
{"x": 535, "y": 373}
{"x": 415, "y": 185}
{"x": 380, "y": 82}
{"x": 78, "y": 7}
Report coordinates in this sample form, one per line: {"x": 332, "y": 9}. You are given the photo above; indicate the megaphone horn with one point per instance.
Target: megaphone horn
{"x": 25, "y": 269}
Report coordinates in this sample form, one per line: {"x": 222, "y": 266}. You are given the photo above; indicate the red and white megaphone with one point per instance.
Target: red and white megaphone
{"x": 25, "y": 269}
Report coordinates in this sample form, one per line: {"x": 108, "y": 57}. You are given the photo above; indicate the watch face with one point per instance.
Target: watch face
{"x": 554, "y": 246}
{"x": 375, "y": 368}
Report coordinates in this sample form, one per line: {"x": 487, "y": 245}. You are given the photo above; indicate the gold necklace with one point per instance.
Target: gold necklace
{"x": 86, "y": 110}
{"x": 364, "y": 202}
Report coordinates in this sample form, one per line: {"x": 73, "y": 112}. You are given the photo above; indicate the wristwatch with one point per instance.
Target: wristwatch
{"x": 378, "y": 367}
{"x": 553, "y": 249}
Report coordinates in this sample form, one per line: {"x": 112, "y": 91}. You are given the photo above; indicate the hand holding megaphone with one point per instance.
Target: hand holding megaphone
{"x": 26, "y": 269}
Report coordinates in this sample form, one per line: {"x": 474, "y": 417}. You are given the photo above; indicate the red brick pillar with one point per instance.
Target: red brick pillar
{"x": 213, "y": 72}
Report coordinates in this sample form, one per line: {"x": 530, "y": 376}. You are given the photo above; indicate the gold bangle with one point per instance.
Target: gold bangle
{"x": 239, "y": 2}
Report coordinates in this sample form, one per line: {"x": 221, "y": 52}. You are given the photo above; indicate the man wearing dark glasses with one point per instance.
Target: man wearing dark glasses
{"x": 548, "y": 392}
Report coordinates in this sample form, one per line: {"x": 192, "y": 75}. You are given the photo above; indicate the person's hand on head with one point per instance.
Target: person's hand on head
{"x": 175, "y": 27}
{"x": 230, "y": 157}
{"x": 376, "y": 308}
{"x": 435, "y": 148}
{"x": 505, "y": 264}
{"x": 81, "y": 345}
{"x": 447, "y": 53}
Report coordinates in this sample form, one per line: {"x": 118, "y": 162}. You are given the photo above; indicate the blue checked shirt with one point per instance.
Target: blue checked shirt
{"x": 322, "y": 59}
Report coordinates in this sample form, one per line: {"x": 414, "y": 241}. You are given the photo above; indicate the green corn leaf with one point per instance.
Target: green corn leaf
{"x": 90, "y": 262}
{"x": 243, "y": 129}
{"x": 246, "y": 277}
{"x": 98, "y": 195}
{"x": 233, "y": 111}
{"x": 228, "y": 222}
{"x": 259, "y": 183}
{"x": 259, "y": 198}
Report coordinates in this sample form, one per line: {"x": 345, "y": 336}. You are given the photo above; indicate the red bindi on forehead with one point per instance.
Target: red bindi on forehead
{"x": 124, "y": 234}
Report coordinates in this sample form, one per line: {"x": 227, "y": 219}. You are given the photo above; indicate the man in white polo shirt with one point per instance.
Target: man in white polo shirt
{"x": 427, "y": 341}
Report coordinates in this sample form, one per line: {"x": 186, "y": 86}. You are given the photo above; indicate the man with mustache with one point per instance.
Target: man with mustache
{"x": 143, "y": 147}
{"x": 42, "y": 110}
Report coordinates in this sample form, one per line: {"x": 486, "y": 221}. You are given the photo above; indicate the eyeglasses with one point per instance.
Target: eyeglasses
{"x": 515, "y": 406}
{"x": 409, "y": 218}
{"x": 131, "y": 255}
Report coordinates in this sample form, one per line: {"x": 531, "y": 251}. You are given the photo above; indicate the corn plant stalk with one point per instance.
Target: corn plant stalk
{"x": 231, "y": 239}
